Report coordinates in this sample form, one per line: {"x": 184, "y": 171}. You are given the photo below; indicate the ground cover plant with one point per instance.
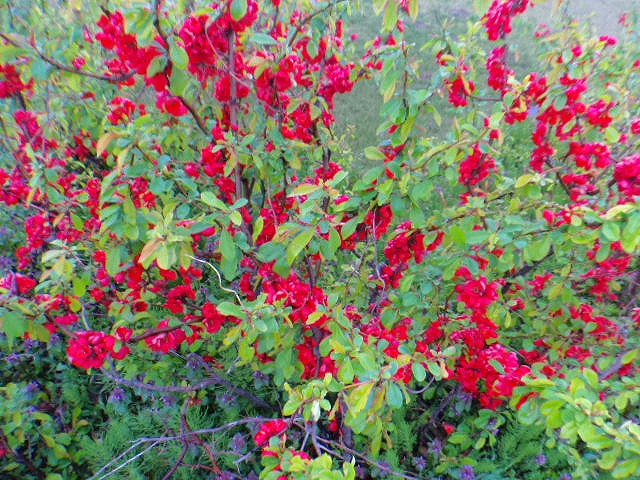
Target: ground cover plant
{"x": 202, "y": 279}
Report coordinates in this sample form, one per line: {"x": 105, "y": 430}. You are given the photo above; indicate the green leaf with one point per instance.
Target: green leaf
{"x": 395, "y": 397}
{"x": 373, "y": 153}
{"x": 178, "y": 81}
{"x": 13, "y": 325}
{"x": 498, "y": 366}
{"x": 231, "y": 309}
{"x": 537, "y": 250}
{"x": 419, "y": 372}
{"x": 298, "y": 244}
{"x": 238, "y": 9}
{"x": 626, "y": 469}
{"x": 359, "y": 397}
{"x": 113, "y": 261}
{"x": 346, "y": 374}
{"x": 524, "y": 180}
{"x": 228, "y": 250}
{"x": 210, "y": 199}
{"x": 157, "y": 65}
{"x": 9, "y": 52}
{"x": 629, "y": 356}
{"x": 262, "y": 39}
{"x": 178, "y": 55}
{"x": 608, "y": 459}
{"x": 390, "y": 18}
{"x": 611, "y": 231}
{"x": 458, "y": 235}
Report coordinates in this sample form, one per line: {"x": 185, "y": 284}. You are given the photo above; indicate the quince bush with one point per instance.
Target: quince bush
{"x": 188, "y": 218}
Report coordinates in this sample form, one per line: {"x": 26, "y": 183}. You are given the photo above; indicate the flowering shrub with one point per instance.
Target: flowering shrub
{"x": 191, "y": 225}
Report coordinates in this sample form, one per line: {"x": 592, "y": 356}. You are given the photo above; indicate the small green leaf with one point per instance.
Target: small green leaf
{"x": 298, "y": 244}
{"x": 13, "y": 325}
{"x": 611, "y": 231}
{"x": 627, "y": 468}
{"x": 231, "y": 309}
{"x": 359, "y": 397}
{"x": 210, "y": 199}
{"x": 524, "y": 179}
{"x": 458, "y": 235}
{"x": 263, "y": 39}
{"x": 179, "y": 57}
{"x": 394, "y": 395}
{"x": 228, "y": 250}
{"x": 345, "y": 374}
{"x": 419, "y": 372}
{"x": 238, "y": 9}
{"x": 157, "y": 65}
{"x": 373, "y": 153}
{"x": 178, "y": 81}
{"x": 9, "y": 52}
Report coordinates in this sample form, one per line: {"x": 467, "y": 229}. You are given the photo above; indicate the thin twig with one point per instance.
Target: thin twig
{"x": 228, "y": 290}
{"x": 66, "y": 68}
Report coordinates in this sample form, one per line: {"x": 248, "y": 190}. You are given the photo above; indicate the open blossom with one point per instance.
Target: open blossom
{"x": 476, "y": 167}
{"x": 90, "y": 349}
{"x": 18, "y": 283}
{"x": 270, "y": 429}
{"x": 498, "y": 70}
{"x": 498, "y": 18}
{"x": 460, "y": 88}
{"x": 476, "y": 293}
{"x": 627, "y": 175}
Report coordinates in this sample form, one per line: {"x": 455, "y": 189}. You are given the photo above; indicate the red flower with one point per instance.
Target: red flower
{"x": 476, "y": 167}
{"x": 270, "y": 429}
{"x": 90, "y": 349}
{"x": 166, "y": 341}
{"x": 18, "y": 283}
{"x": 171, "y": 105}
{"x": 459, "y": 89}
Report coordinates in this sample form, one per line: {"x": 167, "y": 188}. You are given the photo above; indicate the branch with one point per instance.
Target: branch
{"x": 158, "y": 388}
{"x": 158, "y": 331}
{"x": 173, "y": 469}
{"x": 204, "y": 431}
{"x": 214, "y": 379}
{"x": 66, "y": 68}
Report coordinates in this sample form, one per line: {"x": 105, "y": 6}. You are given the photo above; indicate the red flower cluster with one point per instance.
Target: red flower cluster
{"x": 479, "y": 375}
{"x": 607, "y": 271}
{"x": 131, "y": 57}
{"x": 408, "y": 243}
{"x": 122, "y": 110}
{"x": 498, "y": 18}
{"x": 604, "y": 328}
{"x": 586, "y": 155}
{"x": 476, "y": 167}
{"x": 18, "y": 284}
{"x": 498, "y": 70}
{"x": 627, "y": 176}
{"x": 270, "y": 429}
{"x": 166, "y": 341}
{"x": 460, "y": 88}
{"x": 376, "y": 223}
{"x": 10, "y": 82}
{"x": 90, "y": 349}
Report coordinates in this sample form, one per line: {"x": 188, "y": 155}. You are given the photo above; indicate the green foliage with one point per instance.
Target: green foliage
{"x": 245, "y": 302}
